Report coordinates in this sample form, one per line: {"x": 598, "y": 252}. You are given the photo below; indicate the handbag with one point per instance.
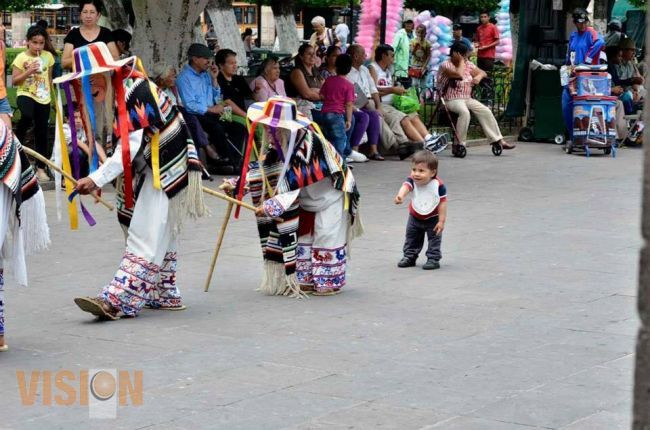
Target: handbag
{"x": 361, "y": 100}
{"x": 415, "y": 72}
{"x": 407, "y": 103}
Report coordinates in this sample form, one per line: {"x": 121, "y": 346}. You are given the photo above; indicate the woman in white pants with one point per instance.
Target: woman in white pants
{"x": 455, "y": 80}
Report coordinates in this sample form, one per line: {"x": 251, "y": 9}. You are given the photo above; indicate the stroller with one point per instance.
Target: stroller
{"x": 458, "y": 150}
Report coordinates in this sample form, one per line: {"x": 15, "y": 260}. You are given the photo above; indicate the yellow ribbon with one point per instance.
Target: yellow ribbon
{"x": 155, "y": 143}
{"x": 346, "y": 195}
{"x": 258, "y": 156}
{"x": 69, "y": 186}
{"x": 140, "y": 67}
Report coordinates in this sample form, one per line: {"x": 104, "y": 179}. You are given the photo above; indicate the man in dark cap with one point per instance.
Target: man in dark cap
{"x": 585, "y": 45}
{"x": 615, "y": 33}
{"x": 627, "y": 72}
{"x": 201, "y": 96}
{"x": 458, "y": 37}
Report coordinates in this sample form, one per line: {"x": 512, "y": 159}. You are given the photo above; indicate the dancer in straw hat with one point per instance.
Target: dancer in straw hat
{"x": 159, "y": 185}
{"x": 307, "y": 202}
{"x": 22, "y": 214}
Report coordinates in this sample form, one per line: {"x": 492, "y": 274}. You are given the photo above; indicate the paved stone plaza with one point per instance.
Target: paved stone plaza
{"x": 530, "y": 323}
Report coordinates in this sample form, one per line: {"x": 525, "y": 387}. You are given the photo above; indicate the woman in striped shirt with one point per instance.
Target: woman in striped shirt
{"x": 456, "y": 78}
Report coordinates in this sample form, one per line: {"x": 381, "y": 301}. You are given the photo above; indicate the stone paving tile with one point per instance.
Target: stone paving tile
{"x": 372, "y": 415}
{"x": 552, "y": 405}
{"x": 530, "y": 323}
{"x": 469, "y": 423}
{"x": 602, "y": 420}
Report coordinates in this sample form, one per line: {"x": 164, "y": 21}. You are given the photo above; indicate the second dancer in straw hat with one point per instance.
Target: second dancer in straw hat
{"x": 307, "y": 202}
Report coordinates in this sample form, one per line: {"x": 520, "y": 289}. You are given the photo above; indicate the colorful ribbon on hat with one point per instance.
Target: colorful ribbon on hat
{"x": 65, "y": 163}
{"x": 122, "y": 133}
{"x": 155, "y": 141}
{"x": 250, "y": 145}
{"x": 75, "y": 152}
{"x": 85, "y": 83}
{"x": 244, "y": 168}
{"x": 335, "y": 156}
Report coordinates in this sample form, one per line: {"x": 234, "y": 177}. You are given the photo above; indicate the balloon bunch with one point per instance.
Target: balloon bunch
{"x": 504, "y": 48}
{"x": 368, "y": 35}
{"x": 439, "y": 34}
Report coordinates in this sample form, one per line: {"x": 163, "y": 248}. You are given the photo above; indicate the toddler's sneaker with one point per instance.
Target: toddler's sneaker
{"x": 406, "y": 262}
{"x": 431, "y": 264}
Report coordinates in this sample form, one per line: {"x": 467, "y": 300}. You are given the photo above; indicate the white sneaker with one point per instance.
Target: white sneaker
{"x": 349, "y": 160}
{"x": 357, "y": 157}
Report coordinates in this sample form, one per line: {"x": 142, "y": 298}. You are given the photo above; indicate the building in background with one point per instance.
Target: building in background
{"x": 61, "y": 18}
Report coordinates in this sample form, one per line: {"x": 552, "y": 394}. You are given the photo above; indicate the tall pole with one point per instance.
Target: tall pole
{"x": 382, "y": 23}
{"x": 259, "y": 23}
{"x": 641, "y": 413}
{"x": 351, "y": 22}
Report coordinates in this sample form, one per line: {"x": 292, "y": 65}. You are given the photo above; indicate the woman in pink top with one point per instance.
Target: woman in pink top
{"x": 268, "y": 84}
{"x": 338, "y": 103}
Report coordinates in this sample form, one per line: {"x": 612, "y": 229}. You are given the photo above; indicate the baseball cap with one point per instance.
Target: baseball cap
{"x": 199, "y": 50}
{"x": 580, "y": 15}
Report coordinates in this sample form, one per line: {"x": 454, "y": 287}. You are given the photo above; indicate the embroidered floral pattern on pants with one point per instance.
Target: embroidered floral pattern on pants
{"x": 303, "y": 264}
{"x": 324, "y": 268}
{"x": 132, "y": 284}
{"x": 2, "y": 303}
{"x": 165, "y": 293}
{"x": 273, "y": 208}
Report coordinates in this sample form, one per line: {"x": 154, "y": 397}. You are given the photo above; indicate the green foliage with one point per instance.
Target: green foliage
{"x": 642, "y": 4}
{"x": 19, "y": 5}
{"x": 450, "y": 6}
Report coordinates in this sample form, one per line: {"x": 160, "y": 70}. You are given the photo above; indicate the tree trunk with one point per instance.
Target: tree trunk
{"x": 514, "y": 32}
{"x": 599, "y": 20}
{"x": 164, "y": 29}
{"x": 285, "y": 25}
{"x": 641, "y": 412}
{"x": 116, "y": 14}
{"x": 225, "y": 24}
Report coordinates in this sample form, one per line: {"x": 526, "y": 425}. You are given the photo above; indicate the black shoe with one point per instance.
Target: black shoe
{"x": 406, "y": 262}
{"x": 222, "y": 162}
{"x": 211, "y": 153}
{"x": 405, "y": 150}
{"x": 431, "y": 264}
{"x": 222, "y": 170}
{"x": 417, "y": 145}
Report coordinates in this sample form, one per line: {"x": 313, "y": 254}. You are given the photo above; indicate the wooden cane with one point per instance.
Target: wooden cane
{"x": 222, "y": 233}
{"x": 229, "y": 199}
{"x": 39, "y": 157}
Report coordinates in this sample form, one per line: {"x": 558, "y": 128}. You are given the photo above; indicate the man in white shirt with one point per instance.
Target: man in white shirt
{"x": 409, "y": 126}
{"x": 342, "y": 33}
{"x": 368, "y": 100}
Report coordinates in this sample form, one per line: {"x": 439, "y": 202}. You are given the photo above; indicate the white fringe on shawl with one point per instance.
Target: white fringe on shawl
{"x": 187, "y": 203}
{"x": 14, "y": 251}
{"x": 33, "y": 220}
{"x": 354, "y": 231}
{"x": 34, "y": 228}
{"x": 275, "y": 281}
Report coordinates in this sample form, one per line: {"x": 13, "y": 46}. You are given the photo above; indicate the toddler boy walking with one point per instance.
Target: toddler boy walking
{"x": 427, "y": 211}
